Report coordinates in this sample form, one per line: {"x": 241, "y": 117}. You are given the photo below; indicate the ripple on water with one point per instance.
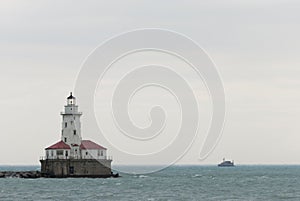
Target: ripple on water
{"x": 174, "y": 183}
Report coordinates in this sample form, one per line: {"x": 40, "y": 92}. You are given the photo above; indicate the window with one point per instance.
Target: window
{"x": 67, "y": 153}
{"x": 71, "y": 170}
{"x": 65, "y": 139}
{"x": 74, "y": 132}
{"x": 86, "y": 153}
{"x": 59, "y": 152}
{"x": 71, "y": 122}
{"x": 66, "y": 124}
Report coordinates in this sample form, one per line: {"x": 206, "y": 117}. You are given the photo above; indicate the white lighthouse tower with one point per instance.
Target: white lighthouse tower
{"x": 71, "y": 126}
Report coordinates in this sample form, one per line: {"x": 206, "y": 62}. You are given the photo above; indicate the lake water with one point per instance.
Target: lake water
{"x": 173, "y": 183}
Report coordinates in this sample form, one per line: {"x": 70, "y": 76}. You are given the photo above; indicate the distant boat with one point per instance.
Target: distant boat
{"x": 226, "y": 163}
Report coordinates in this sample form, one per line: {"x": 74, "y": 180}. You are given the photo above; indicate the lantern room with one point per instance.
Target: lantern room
{"x": 71, "y": 99}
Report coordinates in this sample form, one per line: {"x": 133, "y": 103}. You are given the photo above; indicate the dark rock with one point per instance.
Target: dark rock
{"x": 23, "y": 174}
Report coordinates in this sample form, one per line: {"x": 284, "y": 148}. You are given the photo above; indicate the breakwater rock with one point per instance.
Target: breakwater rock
{"x": 20, "y": 174}
{"x": 38, "y": 174}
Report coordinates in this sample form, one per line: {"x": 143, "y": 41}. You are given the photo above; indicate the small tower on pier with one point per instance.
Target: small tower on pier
{"x": 71, "y": 126}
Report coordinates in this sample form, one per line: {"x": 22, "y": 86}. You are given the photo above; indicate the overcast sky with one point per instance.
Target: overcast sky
{"x": 255, "y": 45}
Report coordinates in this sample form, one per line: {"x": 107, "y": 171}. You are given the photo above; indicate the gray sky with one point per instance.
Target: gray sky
{"x": 255, "y": 45}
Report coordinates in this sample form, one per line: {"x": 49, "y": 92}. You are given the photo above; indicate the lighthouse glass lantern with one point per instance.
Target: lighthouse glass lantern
{"x": 71, "y": 99}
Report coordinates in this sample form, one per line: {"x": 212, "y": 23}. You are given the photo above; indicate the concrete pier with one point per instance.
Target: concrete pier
{"x": 76, "y": 168}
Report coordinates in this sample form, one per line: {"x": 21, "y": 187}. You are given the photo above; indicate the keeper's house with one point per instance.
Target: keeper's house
{"x": 72, "y": 156}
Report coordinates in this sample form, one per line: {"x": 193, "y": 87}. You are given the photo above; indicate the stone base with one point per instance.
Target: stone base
{"x": 76, "y": 168}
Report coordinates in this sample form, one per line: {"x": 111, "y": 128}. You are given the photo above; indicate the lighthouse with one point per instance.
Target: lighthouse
{"x": 71, "y": 126}
{"x": 72, "y": 156}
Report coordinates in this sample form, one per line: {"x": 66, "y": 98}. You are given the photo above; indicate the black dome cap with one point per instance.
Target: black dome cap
{"x": 71, "y": 96}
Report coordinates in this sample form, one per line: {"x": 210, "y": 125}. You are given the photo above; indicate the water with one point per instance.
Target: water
{"x": 174, "y": 183}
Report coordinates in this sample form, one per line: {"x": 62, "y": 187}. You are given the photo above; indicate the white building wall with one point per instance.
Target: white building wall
{"x": 93, "y": 154}
{"x": 82, "y": 154}
{"x": 75, "y": 152}
{"x": 55, "y": 153}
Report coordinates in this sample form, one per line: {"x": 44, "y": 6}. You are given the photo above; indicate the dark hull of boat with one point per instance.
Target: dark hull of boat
{"x": 227, "y": 165}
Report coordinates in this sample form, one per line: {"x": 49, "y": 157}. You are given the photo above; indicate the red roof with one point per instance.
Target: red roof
{"x": 88, "y": 144}
{"x": 59, "y": 145}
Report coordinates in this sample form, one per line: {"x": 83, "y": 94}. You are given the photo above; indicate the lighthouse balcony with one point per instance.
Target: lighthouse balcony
{"x": 71, "y": 113}
{"x": 75, "y": 157}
